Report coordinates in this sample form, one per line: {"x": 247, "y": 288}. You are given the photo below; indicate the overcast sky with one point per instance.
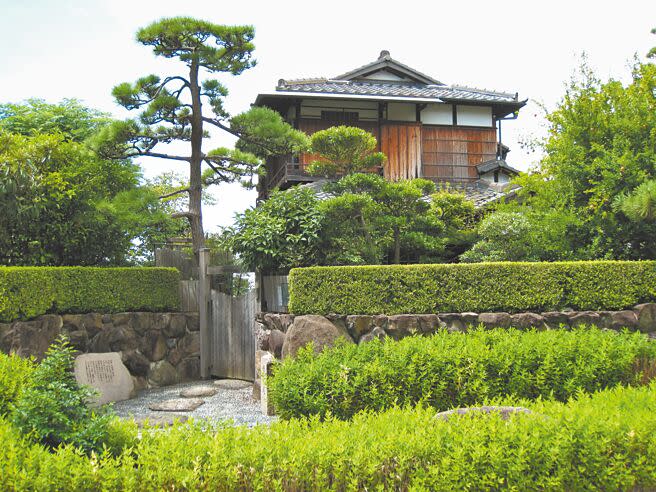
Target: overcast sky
{"x": 55, "y": 49}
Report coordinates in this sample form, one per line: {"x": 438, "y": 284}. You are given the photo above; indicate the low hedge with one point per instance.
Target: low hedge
{"x": 26, "y": 292}
{"x": 14, "y": 374}
{"x": 449, "y": 370}
{"x": 482, "y": 287}
{"x": 600, "y": 442}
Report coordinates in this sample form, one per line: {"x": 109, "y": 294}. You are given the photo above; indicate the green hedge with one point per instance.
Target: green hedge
{"x": 600, "y": 442}
{"x": 26, "y": 292}
{"x": 454, "y": 369}
{"x": 482, "y": 287}
{"x": 14, "y": 374}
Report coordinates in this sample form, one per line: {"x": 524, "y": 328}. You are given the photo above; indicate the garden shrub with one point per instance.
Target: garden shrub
{"x": 449, "y": 370}
{"x": 53, "y": 408}
{"x": 603, "y": 441}
{"x": 26, "y": 292}
{"x": 14, "y": 373}
{"x": 482, "y": 287}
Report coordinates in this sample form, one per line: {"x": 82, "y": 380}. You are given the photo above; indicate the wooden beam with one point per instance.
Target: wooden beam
{"x": 204, "y": 314}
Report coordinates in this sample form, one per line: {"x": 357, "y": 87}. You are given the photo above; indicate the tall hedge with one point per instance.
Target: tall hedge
{"x": 482, "y": 287}
{"x": 603, "y": 441}
{"x": 26, "y": 292}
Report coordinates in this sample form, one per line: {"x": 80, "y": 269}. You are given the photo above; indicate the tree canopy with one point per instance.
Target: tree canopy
{"x": 364, "y": 220}
{"x": 64, "y": 205}
{"x": 601, "y": 147}
{"x": 172, "y": 110}
{"x": 343, "y": 150}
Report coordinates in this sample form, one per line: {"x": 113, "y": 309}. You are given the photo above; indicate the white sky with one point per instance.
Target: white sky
{"x": 54, "y": 49}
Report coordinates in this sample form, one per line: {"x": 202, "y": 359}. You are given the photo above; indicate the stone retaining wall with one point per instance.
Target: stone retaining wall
{"x": 158, "y": 349}
{"x": 277, "y": 333}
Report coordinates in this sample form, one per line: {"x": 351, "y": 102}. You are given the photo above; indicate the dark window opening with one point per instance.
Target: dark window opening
{"x": 496, "y": 176}
{"x": 340, "y": 116}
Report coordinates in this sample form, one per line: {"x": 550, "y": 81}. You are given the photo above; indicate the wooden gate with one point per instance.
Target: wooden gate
{"x": 232, "y": 338}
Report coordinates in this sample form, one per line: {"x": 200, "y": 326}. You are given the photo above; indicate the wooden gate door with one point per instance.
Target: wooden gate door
{"x": 232, "y": 337}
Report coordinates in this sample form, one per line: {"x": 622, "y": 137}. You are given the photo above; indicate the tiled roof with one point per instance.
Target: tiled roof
{"x": 394, "y": 89}
{"x": 493, "y": 164}
{"x": 479, "y": 192}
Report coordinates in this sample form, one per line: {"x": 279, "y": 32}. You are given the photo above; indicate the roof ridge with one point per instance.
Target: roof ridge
{"x": 484, "y": 91}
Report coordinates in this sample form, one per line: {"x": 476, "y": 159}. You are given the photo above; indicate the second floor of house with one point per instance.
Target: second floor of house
{"x": 425, "y": 128}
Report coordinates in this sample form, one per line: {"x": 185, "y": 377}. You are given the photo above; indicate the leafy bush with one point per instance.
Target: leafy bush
{"x": 14, "y": 373}
{"x": 451, "y": 370}
{"x": 26, "y": 292}
{"x": 599, "y": 442}
{"x": 513, "y": 287}
{"x": 53, "y": 407}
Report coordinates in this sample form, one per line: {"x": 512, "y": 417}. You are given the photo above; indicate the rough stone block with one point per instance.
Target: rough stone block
{"x": 624, "y": 319}
{"x": 428, "y": 323}
{"x": 136, "y": 362}
{"x": 582, "y": 318}
{"x": 646, "y": 317}
{"x": 377, "y": 332}
{"x": 469, "y": 318}
{"x": 265, "y": 369}
{"x": 193, "y": 321}
{"x": 494, "y": 320}
{"x": 276, "y": 342}
{"x": 153, "y": 345}
{"x": 162, "y": 374}
{"x": 525, "y": 321}
{"x": 189, "y": 369}
{"x": 358, "y": 325}
{"x": 176, "y": 327}
{"x": 402, "y": 325}
{"x": 107, "y": 374}
{"x": 556, "y": 319}
{"x": 311, "y": 328}
{"x": 453, "y": 322}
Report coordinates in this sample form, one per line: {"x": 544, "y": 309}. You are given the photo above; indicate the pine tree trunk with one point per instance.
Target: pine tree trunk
{"x": 195, "y": 185}
{"x": 397, "y": 246}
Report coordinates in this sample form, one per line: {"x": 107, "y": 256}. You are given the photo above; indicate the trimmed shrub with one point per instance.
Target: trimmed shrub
{"x": 482, "y": 287}
{"x": 14, "y": 373}
{"x": 599, "y": 442}
{"x": 449, "y": 370}
{"x": 27, "y": 292}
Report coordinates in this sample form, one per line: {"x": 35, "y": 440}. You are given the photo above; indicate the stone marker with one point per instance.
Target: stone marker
{"x": 198, "y": 392}
{"x": 177, "y": 405}
{"x": 232, "y": 384}
{"x": 106, "y": 373}
{"x": 160, "y": 420}
{"x": 265, "y": 370}
{"x": 505, "y": 412}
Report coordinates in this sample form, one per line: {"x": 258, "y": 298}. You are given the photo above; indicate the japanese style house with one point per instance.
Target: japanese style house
{"x": 446, "y": 133}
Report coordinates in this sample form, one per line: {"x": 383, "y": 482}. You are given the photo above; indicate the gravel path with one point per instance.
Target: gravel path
{"x": 232, "y": 401}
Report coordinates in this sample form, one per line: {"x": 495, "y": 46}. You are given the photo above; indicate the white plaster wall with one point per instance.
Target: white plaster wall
{"x": 311, "y": 108}
{"x": 437, "y": 114}
{"x": 401, "y": 112}
{"x": 474, "y": 115}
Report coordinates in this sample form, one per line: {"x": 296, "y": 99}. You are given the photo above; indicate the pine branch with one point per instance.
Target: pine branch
{"x": 173, "y": 193}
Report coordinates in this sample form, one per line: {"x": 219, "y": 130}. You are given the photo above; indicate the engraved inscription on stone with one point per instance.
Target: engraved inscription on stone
{"x": 107, "y": 374}
{"x": 101, "y": 371}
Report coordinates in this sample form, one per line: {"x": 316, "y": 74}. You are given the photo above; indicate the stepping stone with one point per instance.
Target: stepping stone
{"x": 160, "y": 420}
{"x": 177, "y": 405}
{"x": 198, "y": 391}
{"x": 232, "y": 384}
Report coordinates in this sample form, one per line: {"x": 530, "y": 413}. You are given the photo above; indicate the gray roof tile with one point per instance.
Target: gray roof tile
{"x": 394, "y": 89}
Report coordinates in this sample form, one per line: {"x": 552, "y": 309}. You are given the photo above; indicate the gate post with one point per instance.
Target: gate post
{"x": 204, "y": 313}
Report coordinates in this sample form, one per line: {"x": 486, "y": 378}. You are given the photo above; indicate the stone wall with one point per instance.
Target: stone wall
{"x": 158, "y": 349}
{"x": 282, "y": 334}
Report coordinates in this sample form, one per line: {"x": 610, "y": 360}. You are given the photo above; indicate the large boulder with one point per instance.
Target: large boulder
{"x": 32, "y": 338}
{"x": 646, "y": 317}
{"x": 162, "y": 373}
{"x": 311, "y": 329}
{"x": 402, "y": 325}
{"x": 623, "y": 319}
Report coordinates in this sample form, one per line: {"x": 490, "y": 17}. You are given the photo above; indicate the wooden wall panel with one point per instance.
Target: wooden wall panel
{"x": 454, "y": 153}
{"x": 402, "y": 146}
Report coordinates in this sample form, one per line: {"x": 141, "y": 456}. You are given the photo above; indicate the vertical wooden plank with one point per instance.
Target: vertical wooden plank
{"x": 204, "y": 313}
